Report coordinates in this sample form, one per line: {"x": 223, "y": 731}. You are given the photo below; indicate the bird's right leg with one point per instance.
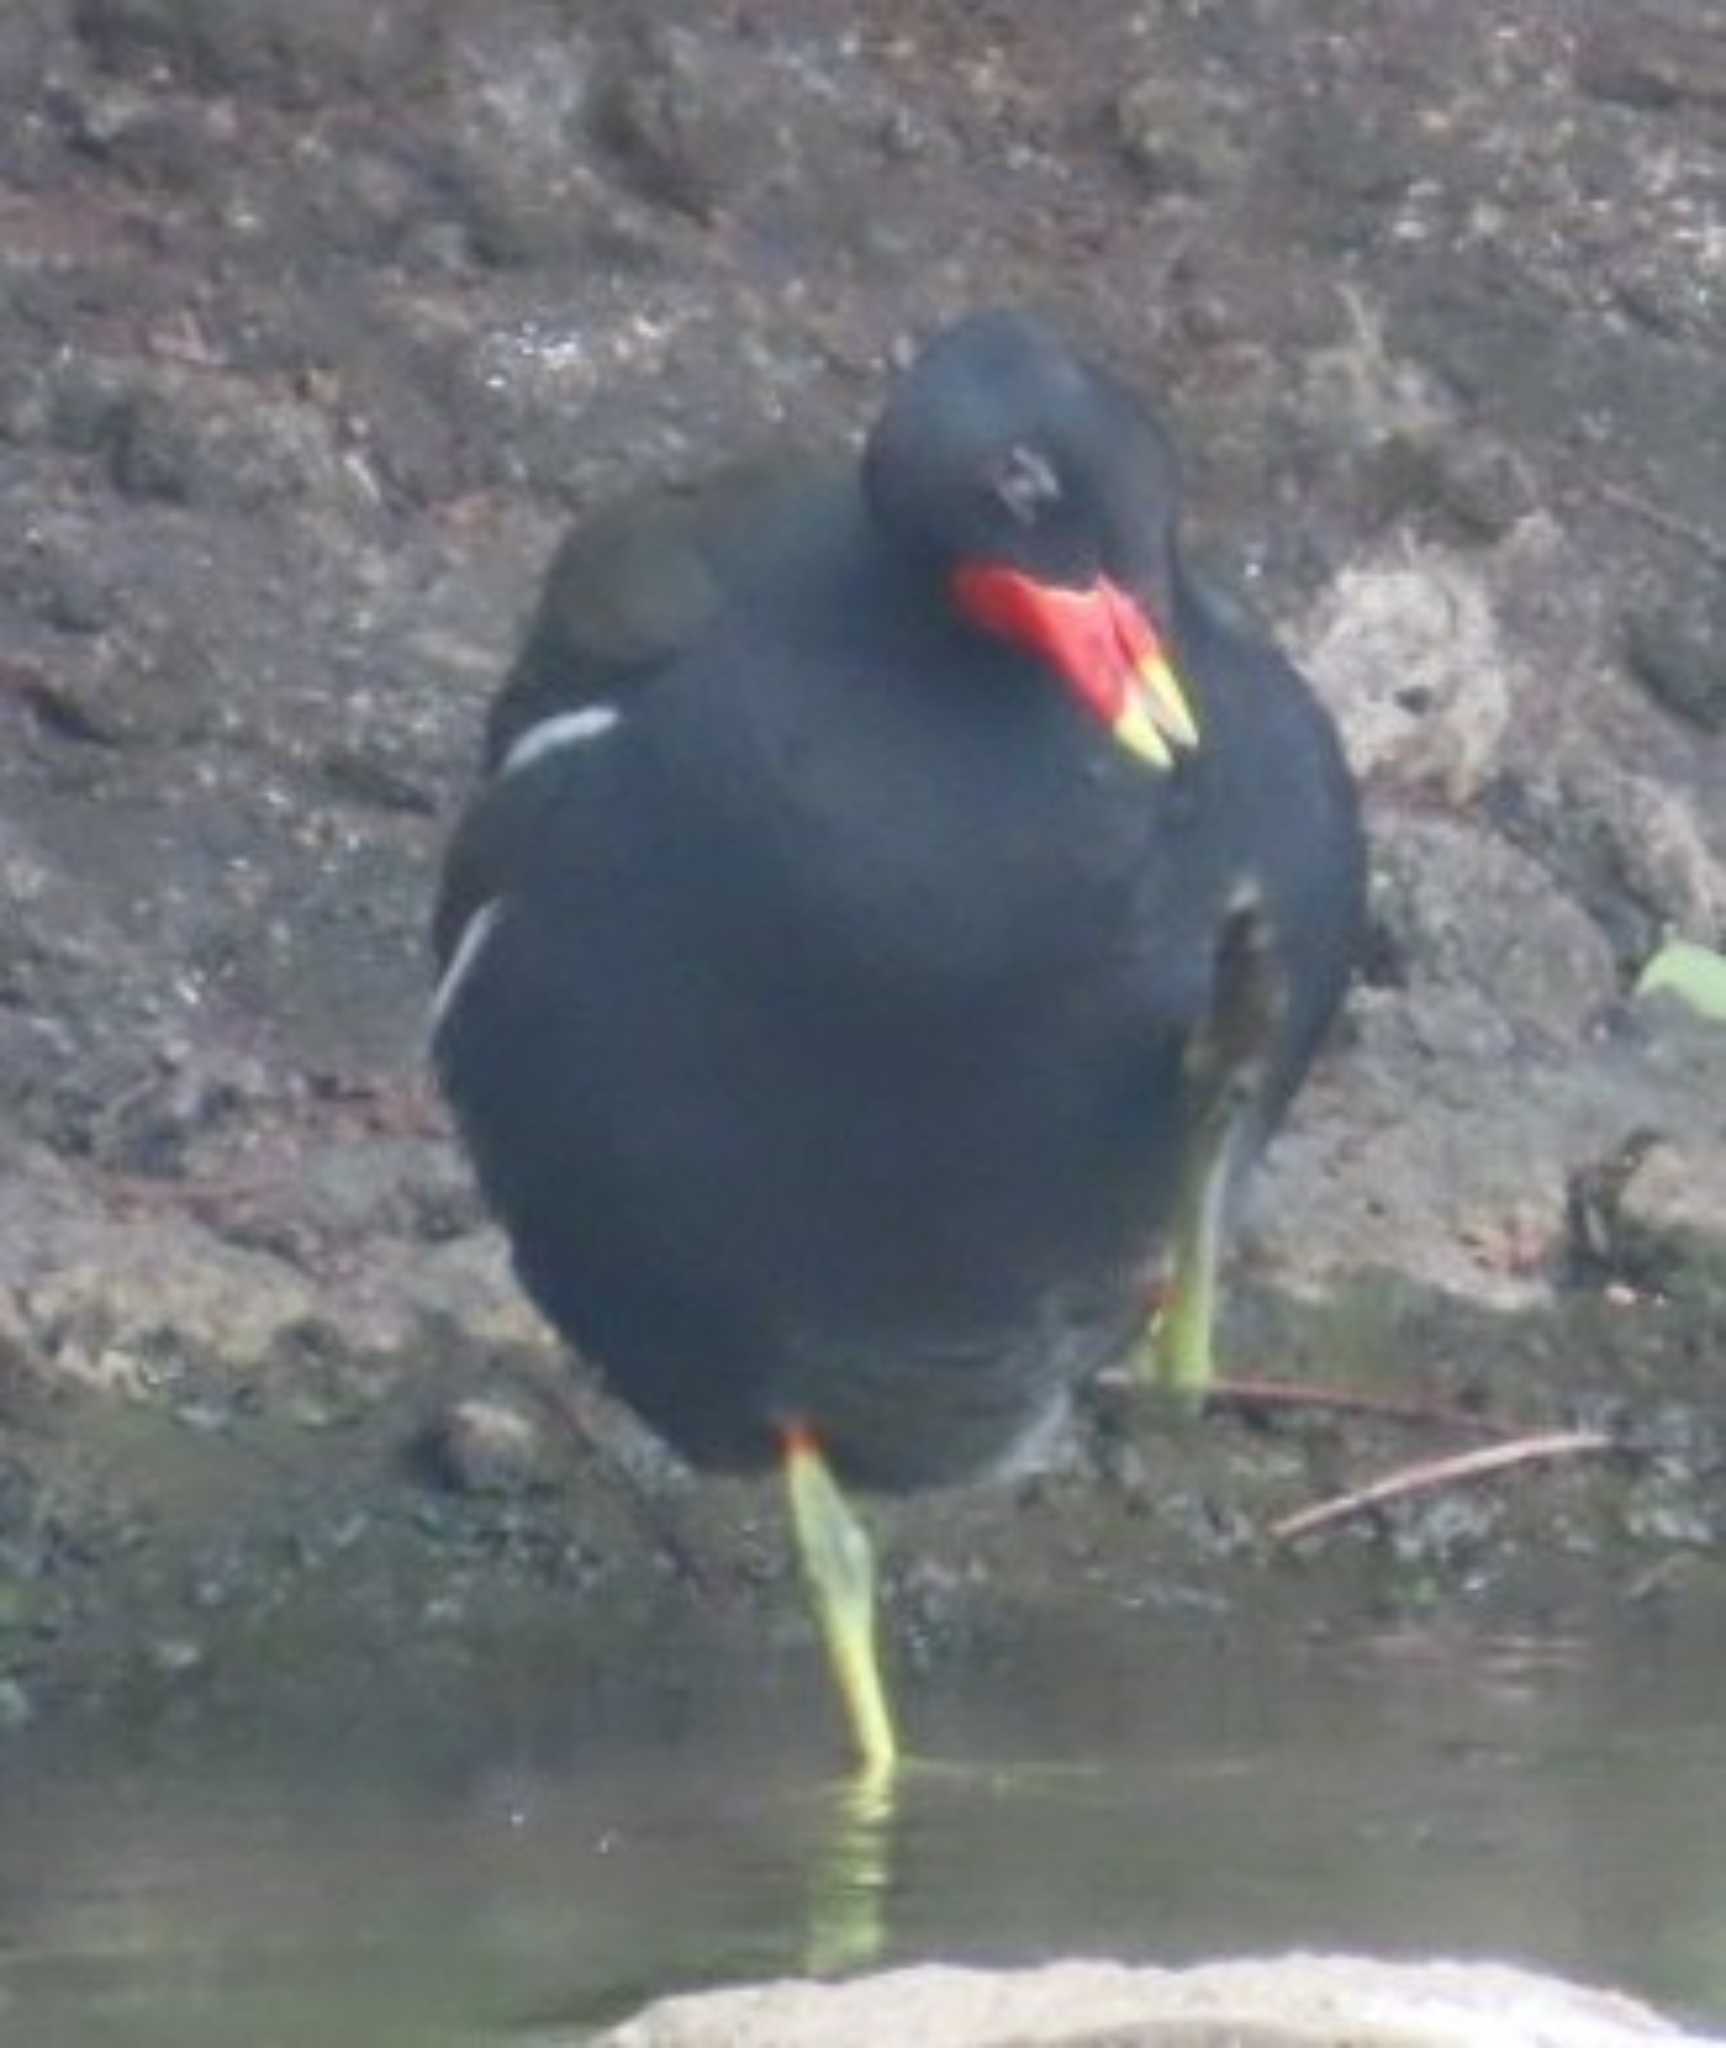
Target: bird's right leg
{"x": 839, "y": 1565}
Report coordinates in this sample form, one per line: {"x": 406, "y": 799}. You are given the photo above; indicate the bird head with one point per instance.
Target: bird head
{"x": 1042, "y": 496}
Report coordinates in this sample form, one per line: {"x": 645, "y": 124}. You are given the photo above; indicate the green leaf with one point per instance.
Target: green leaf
{"x": 1695, "y": 974}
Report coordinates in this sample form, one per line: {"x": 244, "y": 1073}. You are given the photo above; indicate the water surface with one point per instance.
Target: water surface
{"x": 522, "y": 1876}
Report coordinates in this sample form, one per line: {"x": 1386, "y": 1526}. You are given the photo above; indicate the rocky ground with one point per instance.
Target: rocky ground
{"x": 319, "y": 319}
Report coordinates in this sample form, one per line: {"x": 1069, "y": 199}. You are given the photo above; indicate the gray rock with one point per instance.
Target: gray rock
{"x": 1672, "y": 1208}
{"x": 681, "y": 123}
{"x": 1178, "y": 138}
{"x": 1651, "y": 58}
{"x": 1289, "y": 2002}
{"x": 1406, "y": 651}
{"x": 1679, "y": 651}
{"x": 222, "y": 449}
{"x": 1472, "y": 918}
{"x": 486, "y": 1446}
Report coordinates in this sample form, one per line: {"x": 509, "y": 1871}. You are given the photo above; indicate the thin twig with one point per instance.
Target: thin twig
{"x": 1672, "y": 524}
{"x": 1254, "y": 1394}
{"x": 1431, "y": 1473}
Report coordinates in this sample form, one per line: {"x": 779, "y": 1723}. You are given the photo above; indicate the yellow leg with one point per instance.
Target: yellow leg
{"x": 1181, "y": 1355}
{"x": 840, "y": 1568}
{"x": 1224, "y": 1076}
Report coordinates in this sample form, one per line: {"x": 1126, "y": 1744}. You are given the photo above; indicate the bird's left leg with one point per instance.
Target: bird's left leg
{"x": 1224, "y": 1076}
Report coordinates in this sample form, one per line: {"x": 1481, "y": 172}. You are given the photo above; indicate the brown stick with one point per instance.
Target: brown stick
{"x": 1431, "y": 1473}
{"x": 1250, "y": 1394}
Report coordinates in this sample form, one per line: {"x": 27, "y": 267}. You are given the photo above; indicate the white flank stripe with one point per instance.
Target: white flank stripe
{"x": 567, "y": 729}
{"x": 475, "y": 932}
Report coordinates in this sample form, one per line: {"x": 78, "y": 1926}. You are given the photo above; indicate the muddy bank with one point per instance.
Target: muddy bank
{"x": 317, "y": 324}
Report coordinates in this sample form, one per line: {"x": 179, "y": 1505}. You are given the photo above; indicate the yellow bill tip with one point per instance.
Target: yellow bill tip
{"x": 1135, "y": 729}
{"x": 1164, "y": 700}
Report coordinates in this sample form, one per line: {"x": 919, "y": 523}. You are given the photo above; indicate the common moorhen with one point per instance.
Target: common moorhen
{"x": 899, "y": 896}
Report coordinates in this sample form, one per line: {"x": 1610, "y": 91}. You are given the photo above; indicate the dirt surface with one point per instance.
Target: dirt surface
{"x": 318, "y": 320}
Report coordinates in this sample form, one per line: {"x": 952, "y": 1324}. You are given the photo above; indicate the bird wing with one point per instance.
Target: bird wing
{"x": 635, "y": 585}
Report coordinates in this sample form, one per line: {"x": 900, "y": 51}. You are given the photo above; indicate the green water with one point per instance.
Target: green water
{"x": 520, "y": 1875}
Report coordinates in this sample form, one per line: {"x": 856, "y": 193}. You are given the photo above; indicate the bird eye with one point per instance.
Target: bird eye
{"x": 1026, "y": 483}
